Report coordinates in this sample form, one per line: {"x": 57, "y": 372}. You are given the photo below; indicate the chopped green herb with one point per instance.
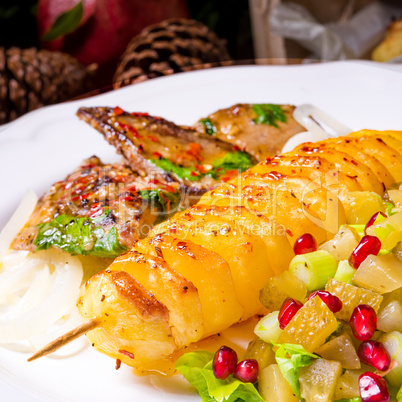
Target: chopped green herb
{"x": 164, "y": 201}
{"x": 196, "y": 368}
{"x": 79, "y": 236}
{"x": 189, "y": 173}
{"x": 238, "y": 160}
{"x": 210, "y": 129}
{"x": 290, "y": 359}
{"x": 357, "y": 399}
{"x": 267, "y": 113}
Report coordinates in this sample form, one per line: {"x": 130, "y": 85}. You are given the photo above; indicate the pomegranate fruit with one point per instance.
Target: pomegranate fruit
{"x": 333, "y": 302}
{"x": 373, "y": 388}
{"x": 363, "y": 322}
{"x": 247, "y": 370}
{"x": 368, "y": 245}
{"x": 224, "y": 362}
{"x": 305, "y": 244}
{"x": 289, "y": 308}
{"x": 374, "y": 354}
{"x": 373, "y": 219}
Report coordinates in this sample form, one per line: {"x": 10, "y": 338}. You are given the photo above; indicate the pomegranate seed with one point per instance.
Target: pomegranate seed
{"x": 374, "y": 354}
{"x": 224, "y": 362}
{"x": 247, "y": 370}
{"x": 372, "y": 220}
{"x": 333, "y": 302}
{"x": 363, "y": 322}
{"x": 305, "y": 244}
{"x": 373, "y": 388}
{"x": 368, "y": 245}
{"x": 289, "y": 308}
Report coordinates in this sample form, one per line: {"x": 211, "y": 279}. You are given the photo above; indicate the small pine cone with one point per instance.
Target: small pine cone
{"x": 31, "y": 78}
{"x": 168, "y": 47}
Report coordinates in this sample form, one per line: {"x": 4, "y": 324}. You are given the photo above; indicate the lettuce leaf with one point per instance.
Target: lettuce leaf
{"x": 196, "y": 368}
{"x": 79, "y": 236}
{"x": 290, "y": 359}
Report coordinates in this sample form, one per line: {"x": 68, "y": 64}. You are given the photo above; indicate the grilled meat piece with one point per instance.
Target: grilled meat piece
{"x": 110, "y": 196}
{"x": 152, "y": 144}
{"x": 261, "y": 129}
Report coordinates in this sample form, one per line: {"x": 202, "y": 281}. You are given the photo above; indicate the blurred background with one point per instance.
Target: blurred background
{"x": 56, "y": 50}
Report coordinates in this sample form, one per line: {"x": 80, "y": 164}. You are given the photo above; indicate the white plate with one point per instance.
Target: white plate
{"x": 44, "y": 146}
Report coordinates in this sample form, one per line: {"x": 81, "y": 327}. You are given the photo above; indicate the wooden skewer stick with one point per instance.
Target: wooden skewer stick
{"x": 65, "y": 339}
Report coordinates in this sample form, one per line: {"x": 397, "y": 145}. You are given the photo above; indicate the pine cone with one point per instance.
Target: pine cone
{"x": 31, "y": 78}
{"x": 168, "y": 47}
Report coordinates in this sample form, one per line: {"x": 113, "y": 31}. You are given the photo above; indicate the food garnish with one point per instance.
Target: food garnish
{"x": 268, "y": 113}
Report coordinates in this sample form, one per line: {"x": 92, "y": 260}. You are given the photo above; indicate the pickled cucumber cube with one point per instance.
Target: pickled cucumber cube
{"x": 262, "y": 352}
{"x": 310, "y": 326}
{"x": 392, "y": 342}
{"x": 268, "y": 328}
{"x": 345, "y": 272}
{"x": 351, "y": 296}
{"x": 274, "y": 387}
{"x": 318, "y": 381}
{"x": 389, "y": 316}
{"x": 343, "y": 243}
{"x": 362, "y": 205}
{"x": 340, "y": 348}
{"x": 279, "y": 287}
{"x": 379, "y": 273}
{"x": 347, "y": 386}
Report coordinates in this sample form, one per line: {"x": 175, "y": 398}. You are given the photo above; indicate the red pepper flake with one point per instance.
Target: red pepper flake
{"x": 128, "y": 198}
{"x": 132, "y": 188}
{"x": 84, "y": 196}
{"x": 96, "y": 205}
{"x": 141, "y": 148}
{"x": 153, "y": 138}
{"x": 157, "y": 154}
{"x": 97, "y": 213}
{"x": 236, "y": 148}
{"x": 118, "y": 364}
{"x": 225, "y": 179}
{"x": 289, "y": 233}
{"x": 126, "y": 353}
{"x": 129, "y": 128}
{"x": 201, "y": 168}
{"x": 354, "y": 162}
{"x": 154, "y": 181}
{"x": 173, "y": 230}
{"x": 139, "y": 114}
{"x": 195, "y": 174}
{"x": 86, "y": 167}
{"x": 118, "y": 111}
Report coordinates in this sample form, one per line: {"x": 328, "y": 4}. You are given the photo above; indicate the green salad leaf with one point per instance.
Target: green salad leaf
{"x": 238, "y": 160}
{"x": 189, "y": 173}
{"x": 210, "y": 129}
{"x": 79, "y": 236}
{"x": 267, "y": 113}
{"x": 290, "y": 359}
{"x": 196, "y": 368}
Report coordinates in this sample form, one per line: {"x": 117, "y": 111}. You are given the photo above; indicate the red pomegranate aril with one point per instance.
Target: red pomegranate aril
{"x": 224, "y": 362}
{"x": 333, "y": 302}
{"x": 373, "y": 388}
{"x": 368, "y": 245}
{"x": 363, "y": 322}
{"x": 374, "y": 354}
{"x": 289, "y": 308}
{"x": 373, "y": 219}
{"x": 247, "y": 371}
{"x": 305, "y": 244}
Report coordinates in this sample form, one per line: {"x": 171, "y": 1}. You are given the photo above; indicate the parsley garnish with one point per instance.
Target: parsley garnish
{"x": 79, "y": 236}
{"x": 164, "y": 201}
{"x": 188, "y": 173}
{"x": 239, "y": 161}
{"x": 210, "y": 129}
{"x": 267, "y": 113}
